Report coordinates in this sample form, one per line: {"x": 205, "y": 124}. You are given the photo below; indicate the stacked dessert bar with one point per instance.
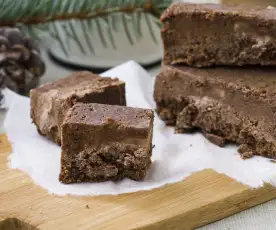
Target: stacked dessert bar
{"x": 218, "y": 74}
{"x": 101, "y": 138}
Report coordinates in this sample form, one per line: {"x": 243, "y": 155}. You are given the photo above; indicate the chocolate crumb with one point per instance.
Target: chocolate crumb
{"x": 184, "y": 129}
{"x": 181, "y": 130}
{"x": 244, "y": 148}
{"x": 245, "y": 151}
{"x": 215, "y": 139}
{"x": 247, "y": 155}
{"x": 87, "y": 206}
{"x": 153, "y": 146}
{"x": 273, "y": 161}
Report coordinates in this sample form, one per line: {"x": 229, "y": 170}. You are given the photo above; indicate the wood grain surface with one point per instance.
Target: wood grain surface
{"x": 202, "y": 198}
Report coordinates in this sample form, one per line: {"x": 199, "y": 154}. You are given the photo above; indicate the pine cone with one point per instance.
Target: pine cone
{"x": 21, "y": 65}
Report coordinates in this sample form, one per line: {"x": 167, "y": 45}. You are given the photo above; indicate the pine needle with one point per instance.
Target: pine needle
{"x": 61, "y": 18}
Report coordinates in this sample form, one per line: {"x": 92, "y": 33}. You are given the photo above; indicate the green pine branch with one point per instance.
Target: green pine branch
{"x": 60, "y": 18}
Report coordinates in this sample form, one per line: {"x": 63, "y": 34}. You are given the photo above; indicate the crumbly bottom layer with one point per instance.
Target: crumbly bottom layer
{"x": 112, "y": 162}
{"x": 219, "y": 123}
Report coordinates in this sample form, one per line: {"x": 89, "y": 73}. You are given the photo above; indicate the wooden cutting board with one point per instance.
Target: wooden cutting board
{"x": 202, "y": 198}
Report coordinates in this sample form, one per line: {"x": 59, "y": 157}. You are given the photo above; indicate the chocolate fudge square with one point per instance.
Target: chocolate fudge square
{"x": 50, "y": 102}
{"x": 105, "y": 142}
{"x": 219, "y": 34}
{"x": 228, "y": 104}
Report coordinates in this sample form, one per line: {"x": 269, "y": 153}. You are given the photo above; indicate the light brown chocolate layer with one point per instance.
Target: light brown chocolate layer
{"x": 219, "y": 34}
{"x": 237, "y": 104}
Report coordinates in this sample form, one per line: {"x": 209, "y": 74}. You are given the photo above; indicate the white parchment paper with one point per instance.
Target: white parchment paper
{"x": 175, "y": 156}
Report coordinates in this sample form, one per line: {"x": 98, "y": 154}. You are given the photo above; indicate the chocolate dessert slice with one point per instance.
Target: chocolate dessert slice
{"x": 219, "y": 34}
{"x": 105, "y": 142}
{"x": 233, "y": 104}
{"x": 50, "y": 102}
